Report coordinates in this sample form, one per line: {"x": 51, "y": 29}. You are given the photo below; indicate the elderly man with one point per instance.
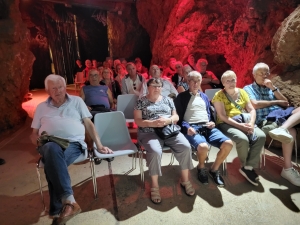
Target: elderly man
{"x": 197, "y": 125}
{"x": 274, "y": 116}
{"x": 132, "y": 82}
{"x": 68, "y": 117}
{"x": 209, "y": 79}
{"x": 168, "y": 89}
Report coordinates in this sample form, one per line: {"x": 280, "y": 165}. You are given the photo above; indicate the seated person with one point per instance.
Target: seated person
{"x": 199, "y": 129}
{"x": 132, "y": 82}
{"x": 121, "y": 72}
{"x": 168, "y": 89}
{"x": 88, "y": 67}
{"x": 140, "y": 68}
{"x": 152, "y": 111}
{"x": 65, "y": 116}
{"x": 97, "y": 97}
{"x": 78, "y": 67}
{"x": 191, "y": 61}
{"x": 178, "y": 76}
{"x": 183, "y": 84}
{"x": 112, "y": 84}
{"x": 209, "y": 79}
{"x": 267, "y": 100}
{"x": 248, "y": 153}
{"x": 170, "y": 70}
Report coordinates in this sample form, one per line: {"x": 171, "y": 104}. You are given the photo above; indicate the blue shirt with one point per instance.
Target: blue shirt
{"x": 96, "y": 95}
{"x": 257, "y": 92}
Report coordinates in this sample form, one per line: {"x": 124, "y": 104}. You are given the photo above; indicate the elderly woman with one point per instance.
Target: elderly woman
{"x": 112, "y": 84}
{"x": 120, "y": 72}
{"x": 156, "y": 111}
{"x": 230, "y": 102}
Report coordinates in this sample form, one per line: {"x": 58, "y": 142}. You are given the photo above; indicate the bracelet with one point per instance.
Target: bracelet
{"x": 276, "y": 89}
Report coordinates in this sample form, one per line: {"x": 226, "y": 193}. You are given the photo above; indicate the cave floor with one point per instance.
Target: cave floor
{"x": 121, "y": 199}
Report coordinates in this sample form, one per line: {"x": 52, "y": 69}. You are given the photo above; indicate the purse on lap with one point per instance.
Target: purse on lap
{"x": 45, "y": 138}
{"x": 168, "y": 131}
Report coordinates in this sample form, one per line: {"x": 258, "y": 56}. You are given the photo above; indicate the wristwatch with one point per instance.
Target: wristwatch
{"x": 276, "y": 89}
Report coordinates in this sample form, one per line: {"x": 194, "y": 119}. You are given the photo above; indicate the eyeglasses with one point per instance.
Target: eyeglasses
{"x": 93, "y": 75}
{"x": 134, "y": 86}
{"x": 178, "y": 67}
{"x": 155, "y": 86}
{"x": 230, "y": 81}
{"x": 263, "y": 74}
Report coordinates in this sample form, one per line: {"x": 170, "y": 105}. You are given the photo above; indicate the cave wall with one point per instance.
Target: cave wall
{"x": 127, "y": 38}
{"x": 16, "y": 62}
{"x": 239, "y": 30}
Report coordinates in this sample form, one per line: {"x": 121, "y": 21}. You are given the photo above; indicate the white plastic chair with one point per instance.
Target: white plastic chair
{"x": 125, "y": 104}
{"x": 84, "y": 156}
{"x": 211, "y": 93}
{"x": 112, "y": 129}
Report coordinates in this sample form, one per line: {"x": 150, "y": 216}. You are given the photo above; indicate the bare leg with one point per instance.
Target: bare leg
{"x": 225, "y": 149}
{"x": 154, "y": 180}
{"x": 293, "y": 120}
{"x": 202, "y": 150}
{"x": 287, "y": 150}
{"x": 184, "y": 175}
{"x": 155, "y": 196}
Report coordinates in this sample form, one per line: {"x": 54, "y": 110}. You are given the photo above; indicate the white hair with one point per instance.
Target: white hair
{"x": 194, "y": 74}
{"x": 258, "y": 66}
{"x": 54, "y": 78}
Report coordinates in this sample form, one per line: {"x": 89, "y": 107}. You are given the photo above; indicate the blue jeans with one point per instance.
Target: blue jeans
{"x": 56, "y": 163}
{"x": 213, "y": 137}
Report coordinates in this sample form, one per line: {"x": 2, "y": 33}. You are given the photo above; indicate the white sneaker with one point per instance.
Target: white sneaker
{"x": 292, "y": 176}
{"x": 282, "y": 135}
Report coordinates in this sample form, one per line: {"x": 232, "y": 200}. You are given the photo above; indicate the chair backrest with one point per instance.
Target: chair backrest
{"x": 126, "y": 103}
{"x": 211, "y": 93}
{"x": 112, "y": 129}
{"x": 79, "y": 77}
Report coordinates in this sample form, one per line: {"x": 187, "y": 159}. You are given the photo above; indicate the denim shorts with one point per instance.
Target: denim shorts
{"x": 213, "y": 137}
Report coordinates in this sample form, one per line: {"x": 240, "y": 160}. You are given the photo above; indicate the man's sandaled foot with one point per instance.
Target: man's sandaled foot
{"x": 155, "y": 196}
{"x": 189, "y": 190}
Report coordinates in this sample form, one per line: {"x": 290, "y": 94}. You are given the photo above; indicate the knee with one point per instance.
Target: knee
{"x": 51, "y": 149}
{"x": 226, "y": 146}
{"x": 202, "y": 147}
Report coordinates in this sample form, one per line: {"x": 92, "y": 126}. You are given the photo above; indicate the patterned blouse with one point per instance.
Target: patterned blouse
{"x": 184, "y": 85}
{"x": 154, "y": 110}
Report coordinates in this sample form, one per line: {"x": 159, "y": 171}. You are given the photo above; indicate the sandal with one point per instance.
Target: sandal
{"x": 189, "y": 190}
{"x": 155, "y": 196}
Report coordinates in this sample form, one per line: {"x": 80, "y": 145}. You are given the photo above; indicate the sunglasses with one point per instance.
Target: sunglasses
{"x": 134, "y": 86}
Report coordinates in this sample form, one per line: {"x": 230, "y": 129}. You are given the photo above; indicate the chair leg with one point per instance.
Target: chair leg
{"x": 296, "y": 153}
{"x": 224, "y": 165}
{"x": 270, "y": 143}
{"x": 41, "y": 190}
{"x": 93, "y": 173}
{"x": 142, "y": 169}
{"x": 172, "y": 159}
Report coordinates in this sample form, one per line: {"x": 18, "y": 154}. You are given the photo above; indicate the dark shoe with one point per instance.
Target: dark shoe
{"x": 255, "y": 174}
{"x": 97, "y": 161}
{"x": 250, "y": 175}
{"x": 68, "y": 212}
{"x": 202, "y": 175}
{"x": 109, "y": 159}
{"x": 2, "y": 161}
{"x": 218, "y": 179}
{"x": 54, "y": 221}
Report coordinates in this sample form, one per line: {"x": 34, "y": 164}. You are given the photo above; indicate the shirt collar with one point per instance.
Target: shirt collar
{"x": 49, "y": 99}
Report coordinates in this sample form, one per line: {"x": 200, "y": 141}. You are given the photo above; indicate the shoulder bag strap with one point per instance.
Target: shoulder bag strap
{"x": 231, "y": 100}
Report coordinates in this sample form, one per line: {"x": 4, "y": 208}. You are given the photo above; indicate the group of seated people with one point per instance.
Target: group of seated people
{"x": 244, "y": 116}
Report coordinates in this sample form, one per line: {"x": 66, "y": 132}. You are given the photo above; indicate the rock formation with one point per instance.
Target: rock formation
{"x": 15, "y": 65}
{"x": 237, "y": 30}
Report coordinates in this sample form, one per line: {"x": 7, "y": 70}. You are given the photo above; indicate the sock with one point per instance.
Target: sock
{"x": 248, "y": 167}
{"x": 70, "y": 199}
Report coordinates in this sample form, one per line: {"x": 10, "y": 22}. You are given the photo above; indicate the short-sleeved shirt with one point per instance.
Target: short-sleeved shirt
{"x": 257, "y": 92}
{"x": 154, "y": 110}
{"x": 96, "y": 95}
{"x": 230, "y": 108}
{"x": 65, "y": 121}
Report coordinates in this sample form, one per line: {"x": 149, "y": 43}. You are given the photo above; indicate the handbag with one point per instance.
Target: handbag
{"x": 168, "y": 131}
{"x": 45, "y": 138}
